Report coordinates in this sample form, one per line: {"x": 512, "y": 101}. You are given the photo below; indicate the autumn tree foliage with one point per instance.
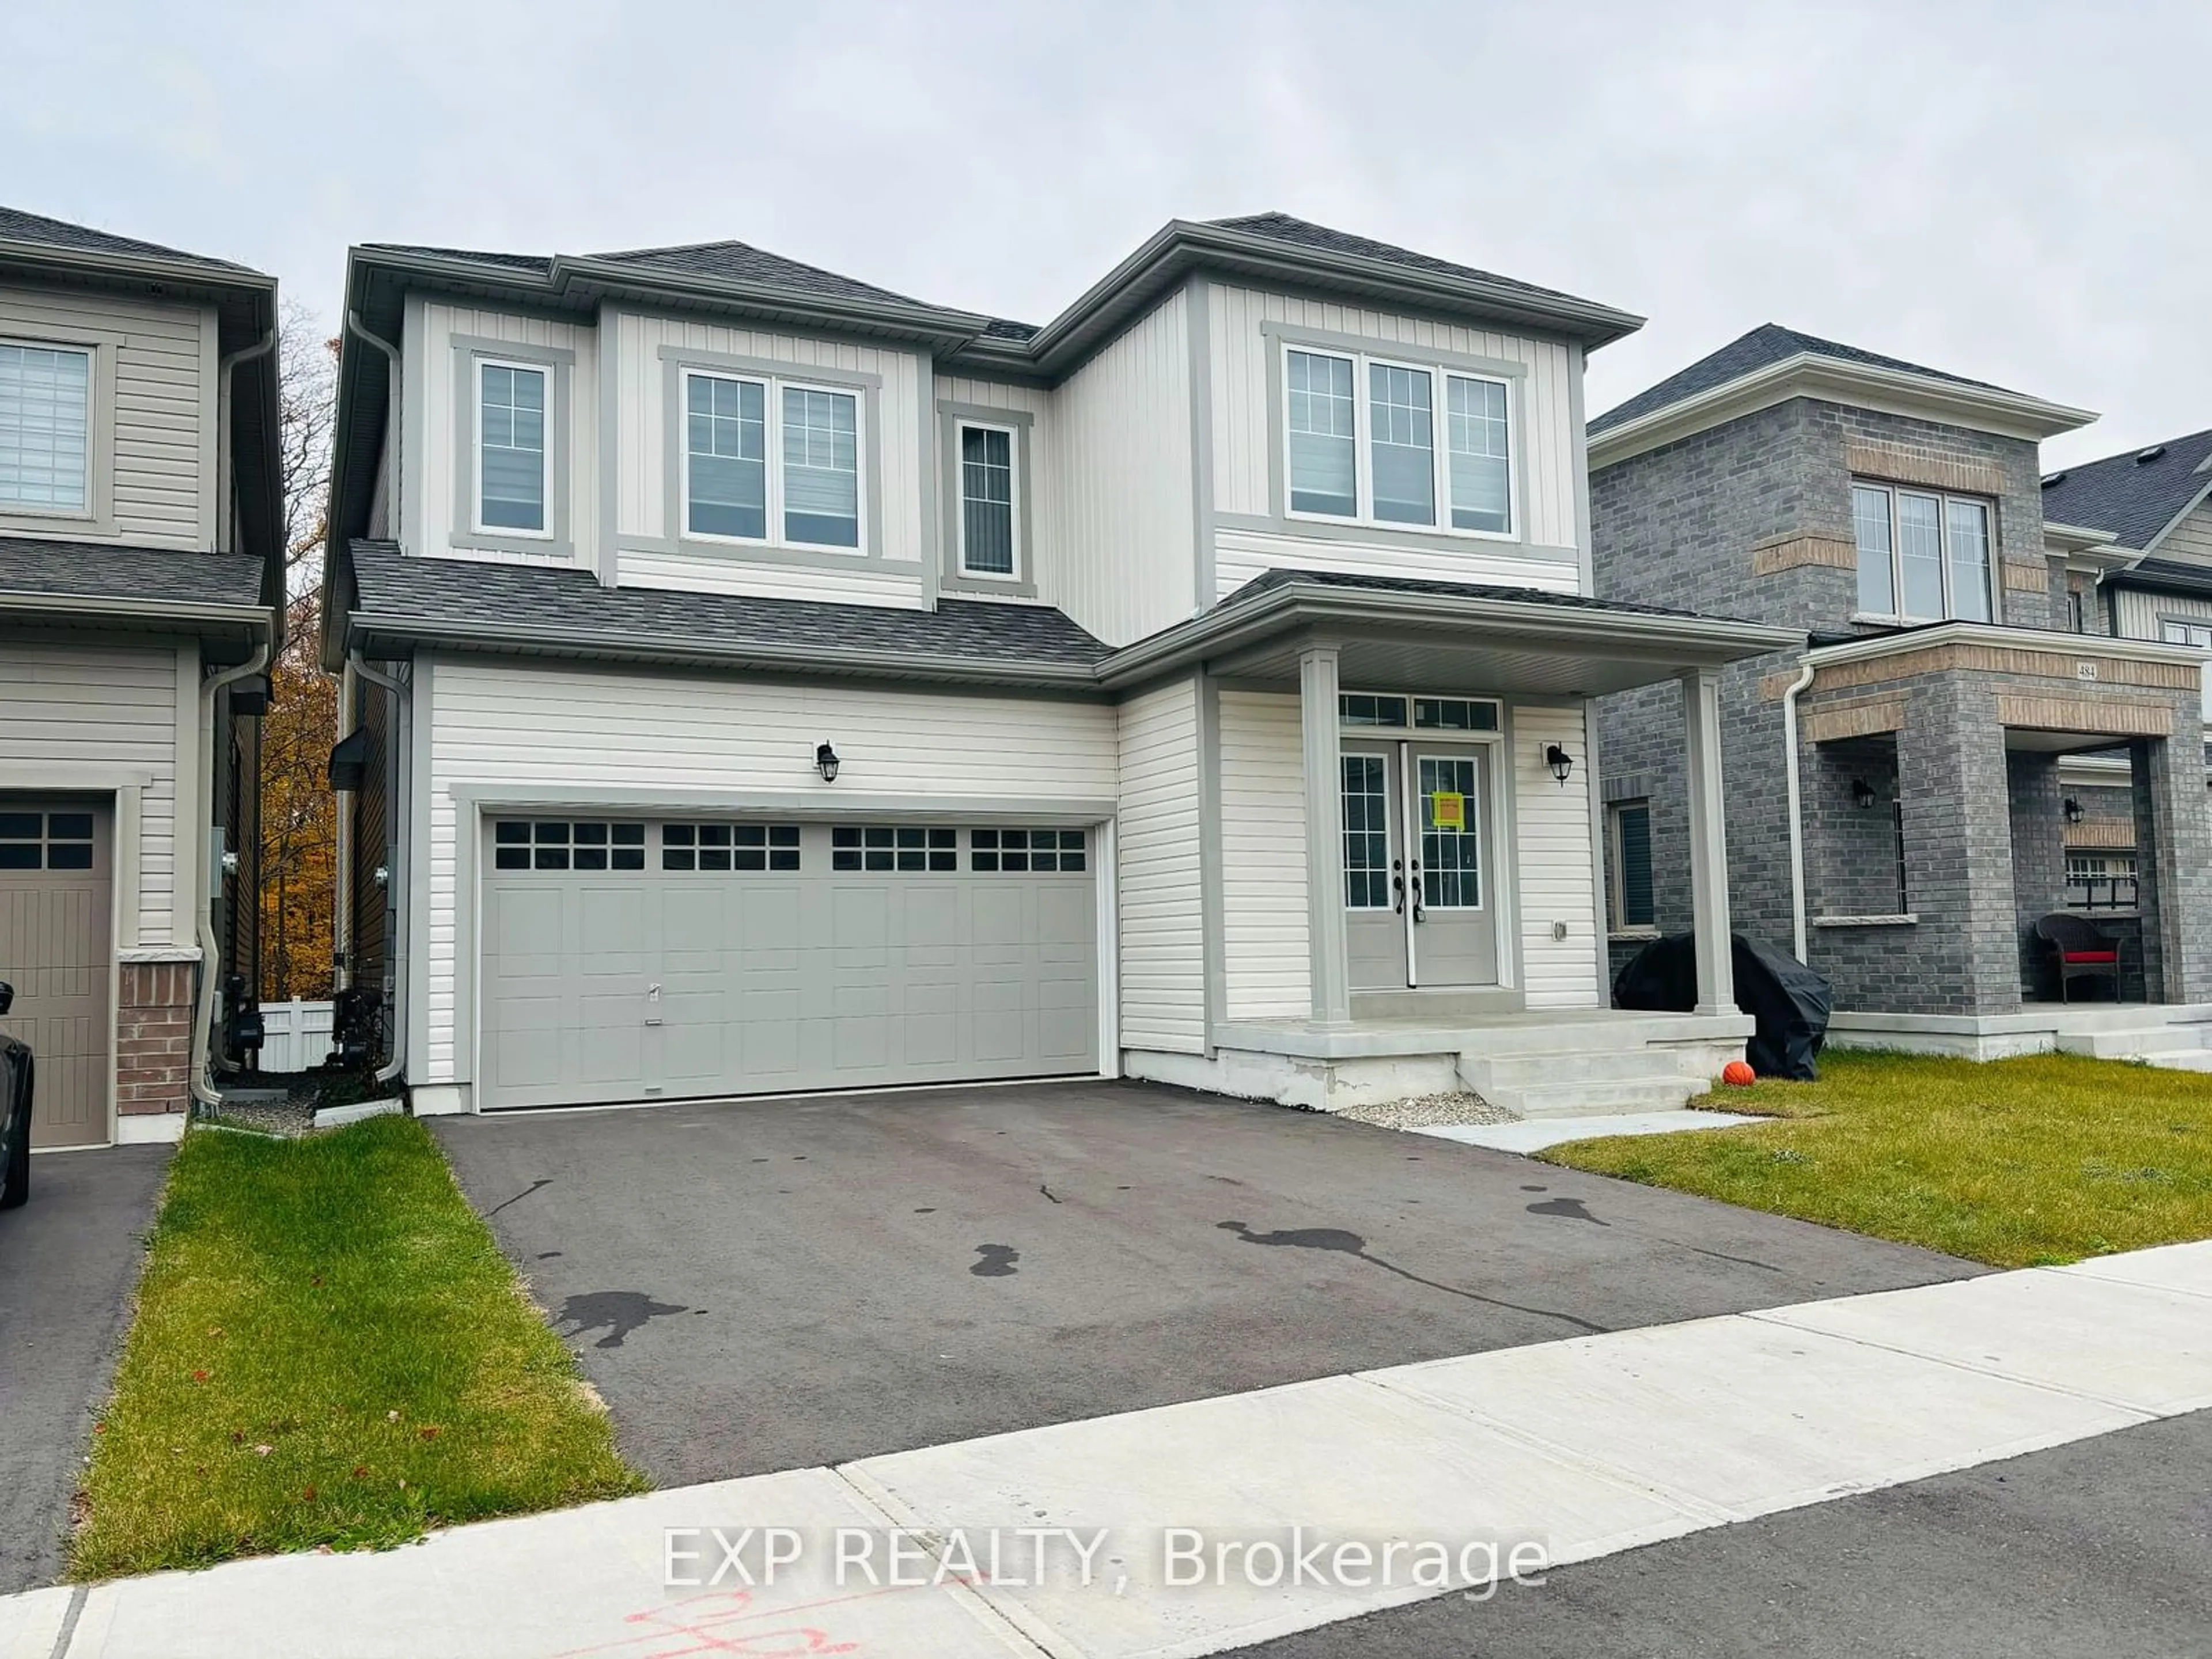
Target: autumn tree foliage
{"x": 298, "y": 814}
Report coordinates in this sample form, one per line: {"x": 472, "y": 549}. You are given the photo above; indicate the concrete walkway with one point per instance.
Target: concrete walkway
{"x": 1393, "y": 1485}
{"x": 1534, "y": 1134}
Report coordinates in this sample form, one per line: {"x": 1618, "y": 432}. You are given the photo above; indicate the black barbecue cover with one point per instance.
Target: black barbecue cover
{"x": 1790, "y": 1000}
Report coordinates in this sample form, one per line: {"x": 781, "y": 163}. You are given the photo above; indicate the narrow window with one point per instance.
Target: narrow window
{"x": 1481, "y": 486}
{"x": 510, "y": 448}
{"x": 1967, "y": 524}
{"x": 1324, "y": 465}
{"x": 2077, "y": 614}
{"x": 1403, "y": 444}
{"x": 1634, "y": 903}
{"x": 986, "y": 500}
{"x": 821, "y": 467}
{"x": 45, "y": 428}
{"x": 1920, "y": 553}
{"x": 1877, "y": 578}
{"x": 1366, "y": 833}
{"x": 725, "y": 445}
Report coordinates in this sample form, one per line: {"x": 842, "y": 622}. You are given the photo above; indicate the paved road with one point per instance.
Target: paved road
{"x": 771, "y": 1285}
{"x": 2098, "y": 1548}
{"x": 68, "y": 1260}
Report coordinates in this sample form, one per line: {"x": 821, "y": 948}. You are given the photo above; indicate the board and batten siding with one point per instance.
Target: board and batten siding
{"x": 106, "y": 710}
{"x": 2143, "y": 612}
{"x": 1247, "y": 425}
{"x": 1263, "y": 857}
{"x": 2191, "y": 539}
{"x": 1557, "y": 876}
{"x": 574, "y": 729}
{"x": 433, "y": 500}
{"x": 1123, "y": 561}
{"x": 1239, "y": 556}
{"x": 902, "y": 443}
{"x": 155, "y": 437}
{"x": 1162, "y": 954}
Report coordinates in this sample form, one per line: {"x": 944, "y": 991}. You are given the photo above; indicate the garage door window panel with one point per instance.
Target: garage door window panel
{"x": 45, "y": 840}
{"x": 1026, "y": 851}
{"x": 559, "y": 844}
{"x": 900, "y": 847}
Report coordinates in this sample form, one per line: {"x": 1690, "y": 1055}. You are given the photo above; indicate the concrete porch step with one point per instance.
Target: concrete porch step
{"x": 2140, "y": 1042}
{"x": 1652, "y": 1094}
{"x": 1577, "y": 1067}
{"x": 2186, "y": 1059}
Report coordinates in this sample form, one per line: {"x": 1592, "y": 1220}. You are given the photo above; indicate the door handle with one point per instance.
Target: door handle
{"x": 1420, "y": 911}
{"x": 1398, "y": 887}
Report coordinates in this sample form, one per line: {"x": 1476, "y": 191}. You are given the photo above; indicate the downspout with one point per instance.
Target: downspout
{"x": 392, "y": 421}
{"x": 227, "y": 507}
{"x": 1796, "y": 819}
{"x": 203, "y": 916}
{"x": 396, "y": 841}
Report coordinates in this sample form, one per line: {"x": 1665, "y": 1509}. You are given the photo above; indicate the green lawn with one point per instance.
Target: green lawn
{"x": 329, "y": 1349}
{"x": 2017, "y": 1163}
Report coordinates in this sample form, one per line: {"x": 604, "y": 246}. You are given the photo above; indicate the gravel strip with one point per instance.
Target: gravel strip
{"x": 1424, "y": 1111}
{"x": 291, "y": 1117}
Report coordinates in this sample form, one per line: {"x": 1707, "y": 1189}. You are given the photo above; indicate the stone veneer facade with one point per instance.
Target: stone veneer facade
{"x": 153, "y": 1038}
{"x": 1751, "y": 518}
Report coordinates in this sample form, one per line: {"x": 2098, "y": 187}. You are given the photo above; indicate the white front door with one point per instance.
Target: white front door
{"x": 1418, "y": 869}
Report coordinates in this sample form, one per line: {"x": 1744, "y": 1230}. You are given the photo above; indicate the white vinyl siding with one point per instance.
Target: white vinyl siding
{"x": 1163, "y": 949}
{"x": 151, "y": 440}
{"x": 1241, "y": 554}
{"x": 1246, "y": 429}
{"x": 45, "y": 428}
{"x": 1121, "y": 561}
{"x": 1263, "y": 857}
{"x": 431, "y": 448}
{"x": 901, "y": 445}
{"x": 111, "y": 708}
{"x": 1551, "y": 843}
{"x": 571, "y": 728}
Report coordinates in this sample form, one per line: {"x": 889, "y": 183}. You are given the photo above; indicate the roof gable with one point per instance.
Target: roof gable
{"x": 2134, "y": 496}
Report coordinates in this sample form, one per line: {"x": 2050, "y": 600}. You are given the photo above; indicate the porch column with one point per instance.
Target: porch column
{"x": 2173, "y": 863}
{"x": 1330, "y": 973}
{"x": 1709, "y": 888}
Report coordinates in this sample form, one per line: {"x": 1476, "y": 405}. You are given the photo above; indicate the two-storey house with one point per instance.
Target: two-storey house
{"x": 1899, "y": 811}
{"x": 757, "y": 681}
{"x": 140, "y": 579}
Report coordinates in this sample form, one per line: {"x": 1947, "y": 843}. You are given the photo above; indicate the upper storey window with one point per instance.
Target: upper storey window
{"x": 513, "y": 464}
{"x": 733, "y": 423}
{"x": 45, "y": 428}
{"x": 986, "y": 500}
{"x": 1923, "y": 556}
{"x": 1364, "y": 444}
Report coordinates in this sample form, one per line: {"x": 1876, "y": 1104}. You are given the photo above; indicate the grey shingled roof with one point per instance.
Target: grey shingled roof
{"x": 98, "y": 570}
{"x": 724, "y": 261}
{"x": 1770, "y": 343}
{"x": 395, "y": 590}
{"x": 1304, "y": 233}
{"x": 1268, "y": 580}
{"x": 2130, "y": 500}
{"x": 17, "y": 226}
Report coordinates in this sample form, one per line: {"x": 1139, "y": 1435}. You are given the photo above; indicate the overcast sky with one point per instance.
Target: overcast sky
{"x": 2018, "y": 192}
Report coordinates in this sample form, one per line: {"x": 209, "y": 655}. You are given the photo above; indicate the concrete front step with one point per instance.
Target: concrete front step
{"x": 2140, "y": 1042}
{"x": 1578, "y": 1066}
{"x": 1651, "y": 1094}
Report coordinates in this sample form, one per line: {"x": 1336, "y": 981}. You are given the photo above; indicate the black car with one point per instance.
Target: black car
{"x": 15, "y": 1113}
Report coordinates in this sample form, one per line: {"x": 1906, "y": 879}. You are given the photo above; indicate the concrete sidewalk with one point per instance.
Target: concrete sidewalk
{"x": 1569, "y": 1450}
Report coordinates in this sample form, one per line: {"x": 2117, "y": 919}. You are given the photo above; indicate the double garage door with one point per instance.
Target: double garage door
{"x": 628, "y": 959}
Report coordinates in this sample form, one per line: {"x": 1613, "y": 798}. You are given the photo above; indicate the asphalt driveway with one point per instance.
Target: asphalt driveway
{"x": 768, "y": 1285}
{"x": 69, "y": 1262}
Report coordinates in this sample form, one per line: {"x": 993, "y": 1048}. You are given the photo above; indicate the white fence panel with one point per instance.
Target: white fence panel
{"x": 297, "y": 1035}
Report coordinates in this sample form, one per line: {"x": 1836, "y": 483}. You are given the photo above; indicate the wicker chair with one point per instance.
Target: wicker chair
{"x": 2079, "y": 949}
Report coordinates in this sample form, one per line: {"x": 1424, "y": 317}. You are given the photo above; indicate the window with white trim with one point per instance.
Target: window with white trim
{"x": 514, "y": 460}
{"x": 1361, "y": 443}
{"x": 987, "y": 507}
{"x": 732, "y": 423}
{"x": 1924, "y": 556}
{"x": 45, "y": 428}
{"x": 2200, "y": 635}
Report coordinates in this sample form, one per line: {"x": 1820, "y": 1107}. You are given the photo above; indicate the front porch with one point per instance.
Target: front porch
{"x": 1400, "y": 854}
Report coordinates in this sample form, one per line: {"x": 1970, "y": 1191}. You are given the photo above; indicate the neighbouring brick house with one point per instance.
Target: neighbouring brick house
{"x": 1896, "y": 815}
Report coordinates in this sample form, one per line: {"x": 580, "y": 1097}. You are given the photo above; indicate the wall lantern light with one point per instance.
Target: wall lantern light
{"x": 825, "y": 763}
{"x": 1560, "y": 760}
{"x": 2073, "y": 809}
{"x": 1862, "y": 794}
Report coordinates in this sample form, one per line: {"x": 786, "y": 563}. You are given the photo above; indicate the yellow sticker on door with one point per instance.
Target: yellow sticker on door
{"x": 1448, "y": 811}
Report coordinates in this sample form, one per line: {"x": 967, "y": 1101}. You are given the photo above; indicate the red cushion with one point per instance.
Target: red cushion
{"x": 2093, "y": 956}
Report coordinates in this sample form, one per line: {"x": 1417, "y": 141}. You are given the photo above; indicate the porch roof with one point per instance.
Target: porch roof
{"x": 1424, "y": 635}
